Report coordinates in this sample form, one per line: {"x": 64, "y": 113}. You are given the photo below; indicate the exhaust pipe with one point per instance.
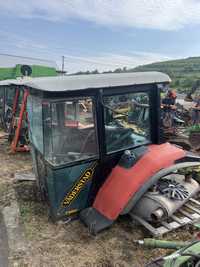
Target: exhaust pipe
{"x": 157, "y": 215}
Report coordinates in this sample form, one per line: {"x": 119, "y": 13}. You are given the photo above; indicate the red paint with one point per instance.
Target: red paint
{"x": 197, "y": 236}
{"x": 122, "y": 183}
{"x": 14, "y": 110}
{"x": 71, "y": 124}
{"x": 19, "y": 125}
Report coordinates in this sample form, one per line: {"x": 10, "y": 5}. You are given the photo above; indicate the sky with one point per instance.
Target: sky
{"x": 100, "y": 34}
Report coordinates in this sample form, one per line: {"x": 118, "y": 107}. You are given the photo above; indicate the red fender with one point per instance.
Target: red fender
{"x": 122, "y": 183}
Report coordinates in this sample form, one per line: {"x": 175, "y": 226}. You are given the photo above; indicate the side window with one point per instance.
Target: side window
{"x": 73, "y": 131}
{"x": 126, "y": 120}
{"x": 10, "y": 94}
{"x": 34, "y": 109}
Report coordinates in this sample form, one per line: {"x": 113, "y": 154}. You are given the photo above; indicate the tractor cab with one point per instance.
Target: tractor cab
{"x": 13, "y": 100}
{"x": 95, "y": 143}
{"x": 7, "y": 94}
{"x": 13, "y": 117}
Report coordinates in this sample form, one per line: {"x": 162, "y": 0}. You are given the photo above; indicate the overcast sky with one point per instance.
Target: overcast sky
{"x": 102, "y": 34}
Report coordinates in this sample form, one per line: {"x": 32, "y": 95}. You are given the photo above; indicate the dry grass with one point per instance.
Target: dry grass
{"x": 70, "y": 245}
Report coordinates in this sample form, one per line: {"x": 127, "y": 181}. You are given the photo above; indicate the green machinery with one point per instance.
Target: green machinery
{"x": 96, "y": 149}
{"x": 187, "y": 254}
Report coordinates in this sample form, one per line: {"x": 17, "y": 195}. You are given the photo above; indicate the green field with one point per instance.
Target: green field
{"x": 183, "y": 72}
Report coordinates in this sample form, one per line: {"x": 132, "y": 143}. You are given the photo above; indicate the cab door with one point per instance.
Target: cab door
{"x": 71, "y": 149}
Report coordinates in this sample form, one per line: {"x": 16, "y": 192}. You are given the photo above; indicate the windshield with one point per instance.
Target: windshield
{"x": 70, "y": 133}
{"x": 126, "y": 120}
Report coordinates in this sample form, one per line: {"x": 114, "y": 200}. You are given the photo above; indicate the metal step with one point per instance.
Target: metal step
{"x": 190, "y": 215}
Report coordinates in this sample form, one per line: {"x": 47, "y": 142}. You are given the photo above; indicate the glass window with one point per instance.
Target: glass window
{"x": 34, "y": 109}
{"x": 9, "y": 98}
{"x": 10, "y": 94}
{"x": 126, "y": 120}
{"x": 73, "y": 134}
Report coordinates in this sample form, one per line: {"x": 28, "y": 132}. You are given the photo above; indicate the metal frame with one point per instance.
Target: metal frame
{"x": 14, "y": 109}
{"x": 97, "y": 94}
{"x": 15, "y": 141}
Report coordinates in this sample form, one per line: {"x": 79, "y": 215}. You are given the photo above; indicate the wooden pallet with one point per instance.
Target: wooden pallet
{"x": 190, "y": 212}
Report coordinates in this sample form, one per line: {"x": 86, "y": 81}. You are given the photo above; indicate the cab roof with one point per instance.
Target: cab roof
{"x": 92, "y": 81}
{"x": 7, "y": 82}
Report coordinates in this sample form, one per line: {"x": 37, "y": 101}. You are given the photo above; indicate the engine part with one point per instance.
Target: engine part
{"x": 189, "y": 213}
{"x": 172, "y": 189}
{"x": 155, "y": 178}
{"x": 165, "y": 198}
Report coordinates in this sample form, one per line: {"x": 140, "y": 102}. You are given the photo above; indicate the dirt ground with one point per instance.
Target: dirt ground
{"x": 70, "y": 245}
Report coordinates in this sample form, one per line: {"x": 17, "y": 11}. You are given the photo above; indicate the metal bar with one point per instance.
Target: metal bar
{"x": 14, "y": 110}
{"x": 172, "y": 225}
{"x": 19, "y": 125}
{"x": 187, "y": 214}
{"x": 182, "y": 221}
{"x": 143, "y": 222}
{"x": 194, "y": 201}
{"x": 192, "y": 208}
{"x": 167, "y": 225}
{"x": 155, "y": 231}
{"x": 156, "y": 243}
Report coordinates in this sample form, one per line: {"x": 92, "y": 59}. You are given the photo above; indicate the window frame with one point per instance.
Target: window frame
{"x": 63, "y": 100}
{"x": 96, "y": 94}
{"x": 147, "y": 88}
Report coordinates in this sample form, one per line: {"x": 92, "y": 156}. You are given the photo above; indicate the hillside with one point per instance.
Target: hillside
{"x": 183, "y": 72}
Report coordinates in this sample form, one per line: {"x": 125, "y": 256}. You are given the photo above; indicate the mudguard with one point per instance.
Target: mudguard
{"x": 123, "y": 183}
{"x": 153, "y": 180}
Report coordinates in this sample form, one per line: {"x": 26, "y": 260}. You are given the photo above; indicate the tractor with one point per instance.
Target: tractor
{"x": 95, "y": 143}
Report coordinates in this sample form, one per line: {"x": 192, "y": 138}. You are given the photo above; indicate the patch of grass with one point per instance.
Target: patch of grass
{"x": 34, "y": 216}
{"x": 6, "y": 194}
{"x": 26, "y": 211}
{"x": 30, "y": 209}
{"x": 3, "y": 188}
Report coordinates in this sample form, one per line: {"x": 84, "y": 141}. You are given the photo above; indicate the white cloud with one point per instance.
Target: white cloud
{"x": 108, "y": 61}
{"x": 155, "y": 14}
{"x": 23, "y": 46}
{"x": 20, "y": 42}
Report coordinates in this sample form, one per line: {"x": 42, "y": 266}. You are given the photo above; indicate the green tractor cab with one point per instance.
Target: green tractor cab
{"x": 95, "y": 144}
{"x": 13, "y": 98}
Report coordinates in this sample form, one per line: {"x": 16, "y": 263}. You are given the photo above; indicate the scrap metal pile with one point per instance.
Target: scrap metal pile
{"x": 182, "y": 131}
{"x": 97, "y": 153}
